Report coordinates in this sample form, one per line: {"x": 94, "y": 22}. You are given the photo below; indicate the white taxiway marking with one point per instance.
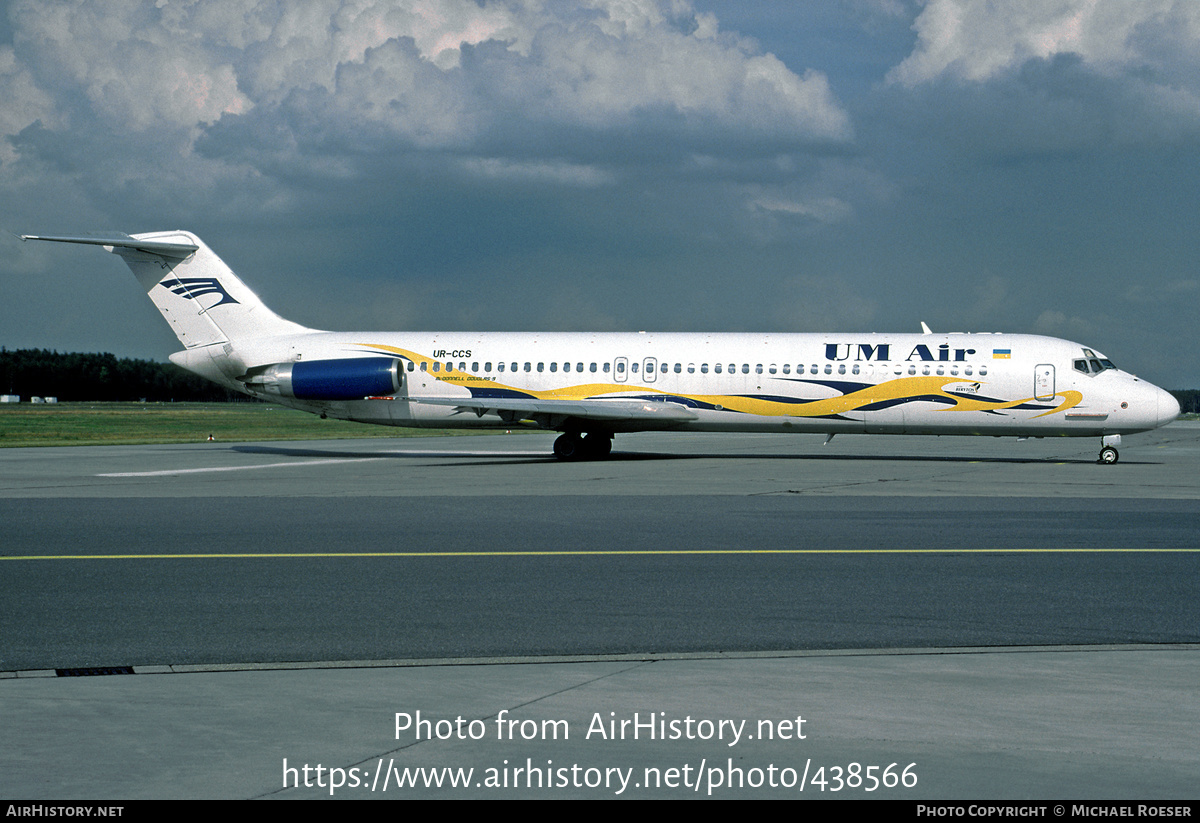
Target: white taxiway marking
{"x": 163, "y": 472}
{"x": 321, "y": 462}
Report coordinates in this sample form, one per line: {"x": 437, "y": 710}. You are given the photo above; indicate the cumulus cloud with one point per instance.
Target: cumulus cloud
{"x": 976, "y": 40}
{"x": 118, "y": 63}
{"x": 25, "y": 103}
{"x": 426, "y": 74}
{"x": 1037, "y": 77}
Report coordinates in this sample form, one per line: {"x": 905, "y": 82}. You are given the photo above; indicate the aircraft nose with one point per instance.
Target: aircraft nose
{"x": 1168, "y": 407}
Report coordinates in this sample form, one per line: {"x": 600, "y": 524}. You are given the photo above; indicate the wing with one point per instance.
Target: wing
{"x": 553, "y": 413}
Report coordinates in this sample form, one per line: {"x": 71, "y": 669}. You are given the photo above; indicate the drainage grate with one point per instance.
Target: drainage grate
{"x": 94, "y": 671}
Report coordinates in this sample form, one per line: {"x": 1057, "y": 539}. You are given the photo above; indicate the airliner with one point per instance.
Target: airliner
{"x": 592, "y": 386}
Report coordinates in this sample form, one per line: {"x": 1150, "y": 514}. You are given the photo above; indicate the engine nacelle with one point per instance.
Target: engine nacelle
{"x": 351, "y": 379}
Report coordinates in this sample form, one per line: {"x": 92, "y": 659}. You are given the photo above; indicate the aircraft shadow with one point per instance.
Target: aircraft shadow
{"x": 471, "y": 458}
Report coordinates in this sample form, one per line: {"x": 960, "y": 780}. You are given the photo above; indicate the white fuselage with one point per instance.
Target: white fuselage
{"x": 871, "y": 383}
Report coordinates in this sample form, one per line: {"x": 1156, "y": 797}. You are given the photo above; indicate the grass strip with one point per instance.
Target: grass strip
{"x": 112, "y": 424}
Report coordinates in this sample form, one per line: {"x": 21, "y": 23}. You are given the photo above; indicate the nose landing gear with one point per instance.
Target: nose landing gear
{"x": 1108, "y": 448}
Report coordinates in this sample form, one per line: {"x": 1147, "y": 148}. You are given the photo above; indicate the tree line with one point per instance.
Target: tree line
{"x": 1189, "y": 400}
{"x": 77, "y": 376}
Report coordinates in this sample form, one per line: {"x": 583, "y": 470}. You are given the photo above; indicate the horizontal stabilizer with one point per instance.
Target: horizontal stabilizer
{"x": 124, "y": 241}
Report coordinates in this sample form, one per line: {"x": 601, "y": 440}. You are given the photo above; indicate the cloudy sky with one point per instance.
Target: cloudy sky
{"x": 1027, "y": 166}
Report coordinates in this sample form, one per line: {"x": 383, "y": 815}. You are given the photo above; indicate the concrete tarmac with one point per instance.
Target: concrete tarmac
{"x": 1089, "y": 721}
{"x": 1043, "y": 723}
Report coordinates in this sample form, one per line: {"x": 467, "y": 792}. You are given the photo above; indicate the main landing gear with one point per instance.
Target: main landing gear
{"x": 590, "y": 446}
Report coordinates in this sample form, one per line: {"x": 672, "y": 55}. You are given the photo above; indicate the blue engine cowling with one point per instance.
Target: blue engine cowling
{"x": 351, "y": 379}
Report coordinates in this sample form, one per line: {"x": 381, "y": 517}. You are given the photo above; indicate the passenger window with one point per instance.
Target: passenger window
{"x": 579, "y": 367}
{"x": 633, "y": 367}
{"x": 554, "y": 367}
{"x": 620, "y": 368}
{"x": 771, "y": 368}
{"x": 704, "y": 368}
{"x": 528, "y": 367}
{"x": 954, "y": 370}
{"x": 912, "y": 369}
{"x": 983, "y": 370}
{"x": 461, "y": 366}
{"x": 787, "y": 368}
{"x": 541, "y": 367}
{"x": 500, "y": 366}
{"x": 593, "y": 368}
{"x": 691, "y": 368}
{"x": 967, "y": 370}
{"x": 679, "y": 368}
{"x": 437, "y": 367}
{"x": 605, "y": 367}
{"x": 717, "y": 368}
{"x": 411, "y": 365}
{"x": 925, "y": 370}
{"x": 745, "y": 368}
{"x": 475, "y": 367}
{"x": 828, "y": 368}
{"x": 424, "y": 366}
{"x": 841, "y": 368}
{"x": 855, "y": 369}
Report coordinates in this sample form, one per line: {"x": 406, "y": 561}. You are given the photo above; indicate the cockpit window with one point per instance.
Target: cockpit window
{"x": 1093, "y": 363}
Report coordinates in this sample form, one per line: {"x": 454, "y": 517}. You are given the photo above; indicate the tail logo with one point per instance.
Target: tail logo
{"x": 190, "y": 288}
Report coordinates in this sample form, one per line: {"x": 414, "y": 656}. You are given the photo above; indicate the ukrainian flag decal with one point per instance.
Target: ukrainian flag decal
{"x": 1001, "y": 354}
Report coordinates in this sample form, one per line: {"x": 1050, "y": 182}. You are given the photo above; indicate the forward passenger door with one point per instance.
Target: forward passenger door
{"x": 1043, "y": 382}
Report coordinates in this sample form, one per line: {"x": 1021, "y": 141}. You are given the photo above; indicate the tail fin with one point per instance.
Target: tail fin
{"x": 200, "y": 296}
